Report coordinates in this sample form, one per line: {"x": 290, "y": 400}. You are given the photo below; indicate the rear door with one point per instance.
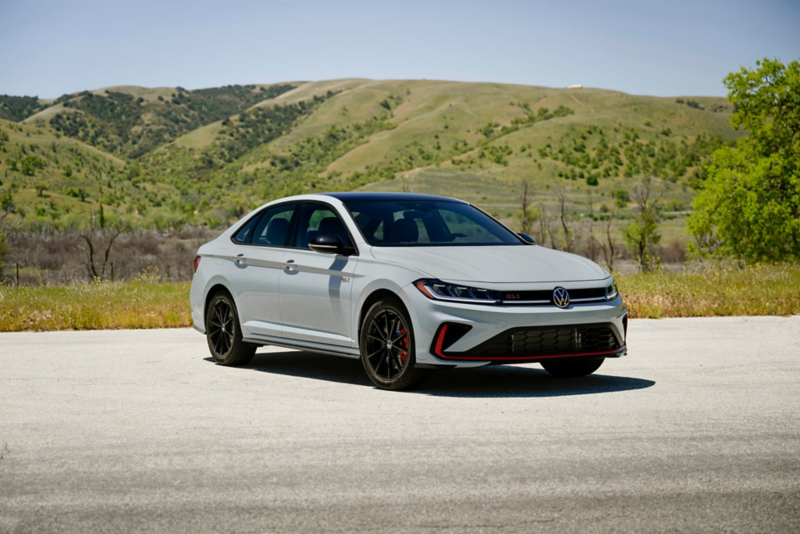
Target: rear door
{"x": 256, "y": 272}
{"x": 315, "y": 287}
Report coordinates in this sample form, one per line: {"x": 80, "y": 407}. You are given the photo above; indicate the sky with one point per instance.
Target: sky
{"x": 667, "y": 48}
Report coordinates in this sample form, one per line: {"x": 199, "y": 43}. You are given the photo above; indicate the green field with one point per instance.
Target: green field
{"x": 700, "y": 292}
{"x": 106, "y": 305}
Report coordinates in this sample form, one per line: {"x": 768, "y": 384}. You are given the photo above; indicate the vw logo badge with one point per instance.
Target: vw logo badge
{"x": 560, "y": 297}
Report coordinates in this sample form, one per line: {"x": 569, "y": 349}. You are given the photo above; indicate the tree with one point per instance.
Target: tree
{"x": 749, "y": 206}
{"x": 40, "y": 188}
{"x": 527, "y": 216}
{"x": 592, "y": 242}
{"x": 609, "y": 247}
{"x": 622, "y": 198}
{"x": 7, "y": 205}
{"x": 99, "y": 243}
{"x": 407, "y": 179}
{"x": 570, "y": 234}
{"x": 29, "y": 164}
{"x": 642, "y": 232}
{"x": 544, "y": 226}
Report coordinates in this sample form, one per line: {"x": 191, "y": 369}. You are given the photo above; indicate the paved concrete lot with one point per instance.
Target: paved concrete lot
{"x": 697, "y": 430}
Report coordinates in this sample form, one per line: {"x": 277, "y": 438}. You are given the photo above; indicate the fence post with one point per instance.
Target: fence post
{"x": 17, "y": 274}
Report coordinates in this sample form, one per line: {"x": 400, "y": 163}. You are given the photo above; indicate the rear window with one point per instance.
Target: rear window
{"x": 268, "y": 228}
{"x": 272, "y": 229}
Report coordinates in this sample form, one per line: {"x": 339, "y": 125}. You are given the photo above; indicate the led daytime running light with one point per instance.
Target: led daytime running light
{"x": 436, "y": 290}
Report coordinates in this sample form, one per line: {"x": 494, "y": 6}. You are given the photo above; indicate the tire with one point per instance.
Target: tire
{"x": 572, "y": 367}
{"x": 223, "y": 333}
{"x": 390, "y": 365}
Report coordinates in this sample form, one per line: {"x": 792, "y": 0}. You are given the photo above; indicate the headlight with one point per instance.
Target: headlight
{"x": 611, "y": 292}
{"x": 436, "y": 290}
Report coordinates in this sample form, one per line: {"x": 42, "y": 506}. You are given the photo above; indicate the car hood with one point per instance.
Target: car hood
{"x": 492, "y": 264}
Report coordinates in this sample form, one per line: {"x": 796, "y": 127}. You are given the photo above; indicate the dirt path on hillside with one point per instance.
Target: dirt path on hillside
{"x": 573, "y": 97}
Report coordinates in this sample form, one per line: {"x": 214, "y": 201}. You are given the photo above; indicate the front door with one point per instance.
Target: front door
{"x": 316, "y": 287}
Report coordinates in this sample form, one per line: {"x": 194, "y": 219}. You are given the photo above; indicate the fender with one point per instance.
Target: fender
{"x": 214, "y": 281}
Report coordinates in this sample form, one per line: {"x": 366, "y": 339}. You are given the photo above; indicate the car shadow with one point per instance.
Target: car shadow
{"x": 490, "y": 381}
{"x": 523, "y": 381}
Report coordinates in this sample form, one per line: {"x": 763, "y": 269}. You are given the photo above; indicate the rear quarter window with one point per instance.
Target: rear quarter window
{"x": 245, "y": 233}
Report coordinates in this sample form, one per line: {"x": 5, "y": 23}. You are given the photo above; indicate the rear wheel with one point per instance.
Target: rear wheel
{"x": 572, "y": 366}
{"x": 224, "y": 334}
{"x": 387, "y": 347}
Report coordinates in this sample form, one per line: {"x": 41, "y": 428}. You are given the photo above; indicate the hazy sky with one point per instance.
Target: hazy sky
{"x": 666, "y": 48}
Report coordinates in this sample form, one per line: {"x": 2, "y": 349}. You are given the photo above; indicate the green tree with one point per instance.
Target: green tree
{"x": 29, "y": 164}
{"x": 749, "y": 206}
{"x": 641, "y": 233}
{"x": 622, "y": 197}
{"x": 6, "y": 207}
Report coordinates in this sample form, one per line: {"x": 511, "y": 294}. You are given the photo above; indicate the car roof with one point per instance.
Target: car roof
{"x": 360, "y": 196}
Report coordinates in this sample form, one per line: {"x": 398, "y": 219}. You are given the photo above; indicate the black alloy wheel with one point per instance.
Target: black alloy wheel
{"x": 224, "y": 334}
{"x": 387, "y": 347}
{"x": 387, "y": 344}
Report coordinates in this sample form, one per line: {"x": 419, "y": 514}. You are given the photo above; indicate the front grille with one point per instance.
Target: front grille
{"x": 545, "y": 341}
{"x": 594, "y": 294}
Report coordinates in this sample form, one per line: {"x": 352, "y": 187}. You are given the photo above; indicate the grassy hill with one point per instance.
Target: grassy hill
{"x": 206, "y": 156}
{"x": 131, "y": 121}
{"x": 52, "y": 177}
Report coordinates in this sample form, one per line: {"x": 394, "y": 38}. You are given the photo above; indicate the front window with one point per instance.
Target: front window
{"x": 428, "y": 223}
{"x": 319, "y": 219}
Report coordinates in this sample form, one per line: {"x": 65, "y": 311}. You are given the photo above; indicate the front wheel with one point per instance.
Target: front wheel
{"x": 387, "y": 347}
{"x": 571, "y": 367}
{"x": 224, "y": 334}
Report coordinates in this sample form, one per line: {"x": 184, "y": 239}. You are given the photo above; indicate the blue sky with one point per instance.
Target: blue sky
{"x": 658, "y": 48}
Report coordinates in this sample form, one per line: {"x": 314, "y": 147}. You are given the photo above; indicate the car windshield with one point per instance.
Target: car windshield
{"x": 428, "y": 223}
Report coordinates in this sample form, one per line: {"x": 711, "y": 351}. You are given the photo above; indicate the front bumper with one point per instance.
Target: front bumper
{"x": 488, "y": 321}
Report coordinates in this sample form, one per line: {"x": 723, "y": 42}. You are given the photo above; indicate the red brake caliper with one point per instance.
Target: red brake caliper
{"x": 403, "y": 345}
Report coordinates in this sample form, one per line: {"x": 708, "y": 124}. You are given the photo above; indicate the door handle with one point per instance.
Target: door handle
{"x": 240, "y": 259}
{"x": 289, "y": 265}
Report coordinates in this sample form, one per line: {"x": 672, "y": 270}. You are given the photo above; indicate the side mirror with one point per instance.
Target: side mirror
{"x": 527, "y": 238}
{"x": 329, "y": 244}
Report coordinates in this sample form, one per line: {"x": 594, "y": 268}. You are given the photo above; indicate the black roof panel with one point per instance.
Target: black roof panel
{"x": 363, "y": 196}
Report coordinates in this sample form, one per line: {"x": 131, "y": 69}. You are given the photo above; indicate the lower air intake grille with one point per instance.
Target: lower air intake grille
{"x": 546, "y": 341}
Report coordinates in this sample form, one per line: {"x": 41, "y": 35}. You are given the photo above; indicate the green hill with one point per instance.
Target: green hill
{"x": 130, "y": 121}
{"x": 55, "y": 181}
{"x": 209, "y": 155}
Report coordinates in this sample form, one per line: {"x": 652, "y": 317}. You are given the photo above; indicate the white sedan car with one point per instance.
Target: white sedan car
{"x": 407, "y": 283}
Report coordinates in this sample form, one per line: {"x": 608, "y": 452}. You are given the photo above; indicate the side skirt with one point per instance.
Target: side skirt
{"x": 303, "y": 345}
